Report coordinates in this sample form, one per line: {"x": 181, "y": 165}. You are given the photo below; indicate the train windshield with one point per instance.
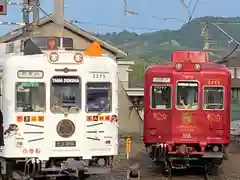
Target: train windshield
{"x": 187, "y": 95}
{"x": 161, "y": 97}
{"x": 213, "y": 98}
{"x": 65, "y": 94}
{"x": 30, "y": 97}
{"x": 99, "y": 97}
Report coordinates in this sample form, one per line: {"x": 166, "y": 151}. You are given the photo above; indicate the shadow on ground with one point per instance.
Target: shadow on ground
{"x": 234, "y": 147}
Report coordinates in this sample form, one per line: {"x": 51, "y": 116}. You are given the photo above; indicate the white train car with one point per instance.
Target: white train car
{"x": 60, "y": 111}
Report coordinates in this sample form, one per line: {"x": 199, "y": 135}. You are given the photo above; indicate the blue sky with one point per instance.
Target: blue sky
{"x": 112, "y": 12}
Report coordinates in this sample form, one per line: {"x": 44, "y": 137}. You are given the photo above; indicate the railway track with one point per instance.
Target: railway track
{"x": 158, "y": 176}
{"x": 182, "y": 175}
{"x": 229, "y": 170}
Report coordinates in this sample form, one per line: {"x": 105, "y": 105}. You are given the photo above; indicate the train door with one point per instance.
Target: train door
{"x": 159, "y": 109}
{"x": 66, "y": 118}
{"x": 189, "y": 123}
{"x": 213, "y": 105}
{"x": 1, "y": 115}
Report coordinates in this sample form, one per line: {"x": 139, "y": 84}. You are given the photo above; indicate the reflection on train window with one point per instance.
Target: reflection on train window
{"x": 213, "y": 98}
{"x": 65, "y": 94}
{"x": 99, "y": 97}
{"x": 187, "y": 95}
{"x": 161, "y": 97}
{"x": 30, "y": 97}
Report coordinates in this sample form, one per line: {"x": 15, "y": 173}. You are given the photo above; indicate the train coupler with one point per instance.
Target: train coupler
{"x": 206, "y": 174}
{"x": 210, "y": 171}
{"x": 169, "y": 170}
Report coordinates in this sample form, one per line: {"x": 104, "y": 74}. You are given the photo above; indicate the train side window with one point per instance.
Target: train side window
{"x": 187, "y": 95}
{"x": 213, "y": 98}
{"x": 161, "y": 97}
{"x": 30, "y": 97}
{"x": 99, "y": 97}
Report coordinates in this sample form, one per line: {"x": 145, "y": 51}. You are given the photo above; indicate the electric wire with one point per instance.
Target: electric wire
{"x": 134, "y": 28}
{"x": 135, "y": 13}
{"x": 114, "y": 26}
{"x": 189, "y": 4}
{"x": 229, "y": 36}
{"x": 193, "y": 11}
{"x": 234, "y": 49}
{"x": 186, "y": 6}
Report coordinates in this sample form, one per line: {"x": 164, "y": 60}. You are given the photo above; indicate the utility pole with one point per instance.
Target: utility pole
{"x": 31, "y": 6}
{"x": 205, "y": 33}
{"x": 26, "y": 11}
{"x": 58, "y": 16}
{"x": 36, "y": 16}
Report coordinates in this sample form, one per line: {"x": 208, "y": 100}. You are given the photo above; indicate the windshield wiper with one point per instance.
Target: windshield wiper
{"x": 102, "y": 110}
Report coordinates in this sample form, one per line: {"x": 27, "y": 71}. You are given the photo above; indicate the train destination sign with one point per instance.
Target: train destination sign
{"x": 161, "y": 79}
{"x": 30, "y": 74}
{"x": 66, "y": 79}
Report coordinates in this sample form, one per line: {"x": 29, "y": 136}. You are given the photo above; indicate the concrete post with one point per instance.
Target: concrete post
{"x": 58, "y": 16}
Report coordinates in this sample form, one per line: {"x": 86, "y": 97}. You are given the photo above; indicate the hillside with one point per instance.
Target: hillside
{"x": 160, "y": 43}
{"x": 157, "y": 46}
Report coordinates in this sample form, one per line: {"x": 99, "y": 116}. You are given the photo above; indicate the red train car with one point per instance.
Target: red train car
{"x": 187, "y": 111}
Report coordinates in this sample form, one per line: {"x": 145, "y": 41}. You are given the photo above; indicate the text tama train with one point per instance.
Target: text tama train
{"x": 60, "y": 109}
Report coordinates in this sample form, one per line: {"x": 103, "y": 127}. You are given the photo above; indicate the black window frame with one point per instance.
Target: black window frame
{"x": 151, "y": 95}
{"x": 110, "y": 96}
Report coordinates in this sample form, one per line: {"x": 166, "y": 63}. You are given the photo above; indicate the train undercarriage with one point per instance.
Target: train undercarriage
{"x": 188, "y": 156}
{"x": 55, "y": 168}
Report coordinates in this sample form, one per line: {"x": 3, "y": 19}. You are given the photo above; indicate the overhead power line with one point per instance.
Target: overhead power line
{"x": 115, "y": 26}
{"x": 192, "y": 13}
{"x": 135, "y": 13}
{"x": 188, "y": 7}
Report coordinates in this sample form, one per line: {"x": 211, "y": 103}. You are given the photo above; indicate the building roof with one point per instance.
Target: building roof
{"x": 229, "y": 61}
{"x": 67, "y": 25}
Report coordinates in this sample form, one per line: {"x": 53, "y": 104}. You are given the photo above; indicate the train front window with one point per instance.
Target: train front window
{"x": 30, "y": 97}
{"x": 98, "y": 97}
{"x": 187, "y": 95}
{"x": 161, "y": 97}
{"x": 213, "y": 98}
{"x": 65, "y": 94}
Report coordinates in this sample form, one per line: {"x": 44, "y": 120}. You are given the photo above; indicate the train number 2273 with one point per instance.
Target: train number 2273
{"x": 99, "y": 75}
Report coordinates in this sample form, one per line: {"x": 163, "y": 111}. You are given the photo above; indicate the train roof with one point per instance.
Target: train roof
{"x": 26, "y": 48}
{"x": 170, "y": 67}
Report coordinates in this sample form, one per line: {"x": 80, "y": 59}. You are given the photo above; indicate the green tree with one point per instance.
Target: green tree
{"x": 136, "y": 78}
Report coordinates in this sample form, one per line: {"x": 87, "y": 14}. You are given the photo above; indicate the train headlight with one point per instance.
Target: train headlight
{"x": 78, "y": 58}
{"x": 53, "y": 57}
{"x": 197, "y": 67}
{"x": 178, "y": 66}
{"x": 215, "y": 148}
{"x": 65, "y": 128}
{"x": 101, "y": 161}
